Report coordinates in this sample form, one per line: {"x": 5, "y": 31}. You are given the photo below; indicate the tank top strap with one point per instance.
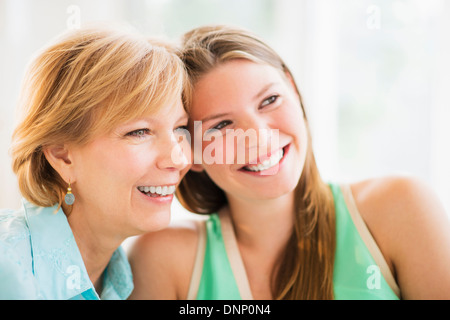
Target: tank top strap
{"x": 213, "y": 276}
{"x": 199, "y": 260}
{"x": 235, "y": 258}
{"x": 368, "y": 239}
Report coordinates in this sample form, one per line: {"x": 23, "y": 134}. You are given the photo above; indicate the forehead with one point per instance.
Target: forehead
{"x": 231, "y": 83}
{"x": 166, "y": 114}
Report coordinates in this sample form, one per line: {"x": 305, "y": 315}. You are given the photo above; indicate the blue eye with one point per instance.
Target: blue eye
{"x": 140, "y": 133}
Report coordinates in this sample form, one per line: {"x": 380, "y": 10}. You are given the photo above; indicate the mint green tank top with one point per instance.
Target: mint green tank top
{"x": 356, "y": 273}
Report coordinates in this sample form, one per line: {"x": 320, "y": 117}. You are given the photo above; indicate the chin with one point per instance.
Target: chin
{"x": 275, "y": 194}
{"x": 154, "y": 221}
{"x": 262, "y": 192}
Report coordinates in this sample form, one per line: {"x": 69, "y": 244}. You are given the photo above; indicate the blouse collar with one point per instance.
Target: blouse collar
{"x": 58, "y": 265}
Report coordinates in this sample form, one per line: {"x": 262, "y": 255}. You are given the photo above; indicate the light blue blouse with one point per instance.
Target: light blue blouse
{"x": 39, "y": 259}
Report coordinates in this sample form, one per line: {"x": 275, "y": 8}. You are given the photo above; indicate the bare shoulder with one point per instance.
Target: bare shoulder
{"x": 162, "y": 261}
{"x": 412, "y": 229}
{"x": 397, "y": 198}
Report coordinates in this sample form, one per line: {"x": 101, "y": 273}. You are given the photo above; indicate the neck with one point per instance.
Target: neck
{"x": 263, "y": 224}
{"x": 95, "y": 242}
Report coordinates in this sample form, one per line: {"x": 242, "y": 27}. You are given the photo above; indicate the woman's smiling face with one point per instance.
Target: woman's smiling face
{"x": 254, "y": 133}
{"x": 129, "y": 175}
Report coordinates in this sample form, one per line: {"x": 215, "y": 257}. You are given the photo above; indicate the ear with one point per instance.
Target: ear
{"x": 59, "y": 158}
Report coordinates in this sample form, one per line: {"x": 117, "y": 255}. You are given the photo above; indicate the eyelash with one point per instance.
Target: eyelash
{"x": 183, "y": 129}
{"x": 135, "y": 133}
{"x": 271, "y": 100}
{"x": 221, "y": 125}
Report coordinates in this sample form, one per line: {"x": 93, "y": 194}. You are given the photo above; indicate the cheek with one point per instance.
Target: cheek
{"x": 234, "y": 147}
{"x": 302, "y": 132}
{"x": 214, "y": 150}
{"x": 184, "y": 152}
{"x": 219, "y": 175}
{"x": 222, "y": 159}
{"x": 123, "y": 164}
{"x": 102, "y": 171}
{"x": 213, "y": 156}
{"x": 291, "y": 120}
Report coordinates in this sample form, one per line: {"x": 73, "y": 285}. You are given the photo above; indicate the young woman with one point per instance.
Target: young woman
{"x": 97, "y": 155}
{"x": 275, "y": 230}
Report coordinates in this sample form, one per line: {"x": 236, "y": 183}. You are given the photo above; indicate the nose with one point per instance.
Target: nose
{"x": 173, "y": 153}
{"x": 265, "y": 139}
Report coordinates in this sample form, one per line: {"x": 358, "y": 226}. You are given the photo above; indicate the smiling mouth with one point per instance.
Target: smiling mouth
{"x": 272, "y": 161}
{"x": 157, "y": 191}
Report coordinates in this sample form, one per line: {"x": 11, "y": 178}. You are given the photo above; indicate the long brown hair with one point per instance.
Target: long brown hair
{"x": 305, "y": 270}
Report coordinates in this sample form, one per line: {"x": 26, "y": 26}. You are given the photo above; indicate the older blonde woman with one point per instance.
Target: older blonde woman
{"x": 98, "y": 155}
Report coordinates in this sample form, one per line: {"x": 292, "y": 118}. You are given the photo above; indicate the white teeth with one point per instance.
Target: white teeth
{"x": 273, "y": 160}
{"x": 161, "y": 190}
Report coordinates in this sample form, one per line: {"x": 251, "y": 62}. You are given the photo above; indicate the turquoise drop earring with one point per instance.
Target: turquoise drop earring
{"x": 69, "y": 199}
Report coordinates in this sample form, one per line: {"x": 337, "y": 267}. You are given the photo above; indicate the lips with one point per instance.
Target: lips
{"x": 268, "y": 164}
{"x": 270, "y": 161}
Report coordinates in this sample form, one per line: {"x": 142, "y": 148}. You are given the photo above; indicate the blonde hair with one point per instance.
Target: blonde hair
{"x": 88, "y": 81}
{"x": 305, "y": 270}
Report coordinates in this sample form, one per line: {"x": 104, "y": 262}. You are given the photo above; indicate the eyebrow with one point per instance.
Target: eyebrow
{"x": 264, "y": 89}
{"x": 258, "y": 95}
{"x": 214, "y": 116}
